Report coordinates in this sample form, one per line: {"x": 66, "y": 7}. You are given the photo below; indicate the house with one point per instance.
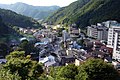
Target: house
{"x": 74, "y": 31}
{"x": 81, "y": 57}
{"x": 75, "y": 56}
{"x": 46, "y": 40}
{"x": 116, "y": 65}
{"x": 69, "y": 59}
{"x": 40, "y": 43}
{"x": 66, "y": 58}
{"x": 47, "y": 61}
{"x": 14, "y": 42}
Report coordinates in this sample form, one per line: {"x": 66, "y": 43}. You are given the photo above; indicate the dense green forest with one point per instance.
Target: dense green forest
{"x": 86, "y": 12}
{"x": 14, "y": 19}
{"x": 36, "y": 12}
{"x": 6, "y": 32}
{"x": 3, "y": 28}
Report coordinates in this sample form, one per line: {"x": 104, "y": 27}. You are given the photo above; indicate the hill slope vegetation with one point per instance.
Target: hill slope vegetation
{"x": 86, "y": 12}
{"x": 14, "y": 19}
{"x": 6, "y": 32}
{"x": 3, "y": 28}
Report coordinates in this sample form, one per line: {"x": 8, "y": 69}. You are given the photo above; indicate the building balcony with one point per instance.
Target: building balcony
{"x": 118, "y": 47}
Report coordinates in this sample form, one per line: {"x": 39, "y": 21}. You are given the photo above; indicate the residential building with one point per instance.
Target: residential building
{"x": 74, "y": 31}
{"x": 92, "y": 31}
{"x": 47, "y": 61}
{"x": 116, "y": 65}
{"x": 98, "y": 31}
{"x": 65, "y": 36}
{"x": 116, "y": 46}
{"x": 114, "y": 38}
{"x": 113, "y": 27}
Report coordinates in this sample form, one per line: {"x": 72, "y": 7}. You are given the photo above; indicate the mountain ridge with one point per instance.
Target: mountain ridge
{"x": 36, "y": 12}
{"x": 13, "y": 19}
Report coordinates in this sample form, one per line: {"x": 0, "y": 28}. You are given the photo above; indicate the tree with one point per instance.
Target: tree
{"x": 69, "y": 71}
{"x": 5, "y": 75}
{"x": 65, "y": 73}
{"x": 59, "y": 30}
{"x": 3, "y": 49}
{"x": 22, "y": 66}
{"x": 54, "y": 71}
{"x": 16, "y": 54}
{"x": 81, "y": 42}
{"x": 96, "y": 69}
{"x": 27, "y": 46}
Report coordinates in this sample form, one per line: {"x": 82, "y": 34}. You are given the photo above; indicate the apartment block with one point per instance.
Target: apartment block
{"x": 98, "y": 31}
{"x": 113, "y": 27}
{"x": 114, "y": 38}
{"x": 116, "y": 45}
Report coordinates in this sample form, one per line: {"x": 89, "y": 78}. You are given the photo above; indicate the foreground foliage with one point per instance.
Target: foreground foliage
{"x": 96, "y": 69}
{"x": 19, "y": 67}
{"x": 92, "y": 69}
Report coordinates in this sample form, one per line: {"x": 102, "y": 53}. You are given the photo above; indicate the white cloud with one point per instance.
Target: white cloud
{"x": 40, "y": 2}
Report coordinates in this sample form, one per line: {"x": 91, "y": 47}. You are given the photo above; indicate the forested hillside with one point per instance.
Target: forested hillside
{"x": 3, "y": 28}
{"x": 14, "y": 19}
{"x": 86, "y": 12}
{"x": 6, "y": 32}
{"x": 36, "y": 12}
{"x": 63, "y": 14}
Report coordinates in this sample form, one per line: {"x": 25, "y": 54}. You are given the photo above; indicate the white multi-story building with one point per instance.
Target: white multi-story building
{"x": 97, "y": 31}
{"x": 110, "y": 31}
{"x": 114, "y": 38}
{"x": 113, "y": 27}
{"x": 116, "y": 46}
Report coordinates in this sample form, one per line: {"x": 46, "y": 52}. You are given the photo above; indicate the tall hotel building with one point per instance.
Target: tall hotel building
{"x": 98, "y": 31}
{"x": 114, "y": 38}
{"x": 109, "y": 31}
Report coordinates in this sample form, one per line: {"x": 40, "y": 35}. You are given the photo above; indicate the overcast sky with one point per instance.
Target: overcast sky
{"x": 40, "y": 2}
